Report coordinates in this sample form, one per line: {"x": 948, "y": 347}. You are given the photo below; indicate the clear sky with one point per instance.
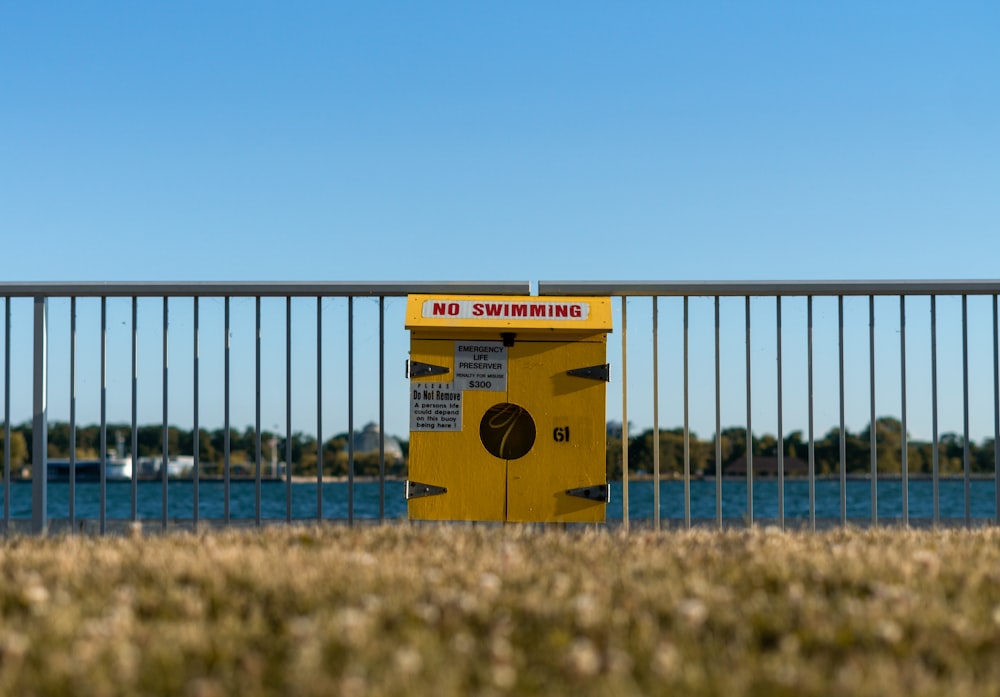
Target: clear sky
{"x": 499, "y": 141}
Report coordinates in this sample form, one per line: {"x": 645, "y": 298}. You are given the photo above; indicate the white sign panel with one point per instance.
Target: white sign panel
{"x": 435, "y": 406}
{"x": 481, "y": 365}
{"x": 507, "y": 309}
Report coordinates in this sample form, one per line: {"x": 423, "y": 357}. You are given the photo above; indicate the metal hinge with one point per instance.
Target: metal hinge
{"x": 416, "y": 369}
{"x": 597, "y": 492}
{"x": 416, "y": 490}
{"x": 593, "y": 372}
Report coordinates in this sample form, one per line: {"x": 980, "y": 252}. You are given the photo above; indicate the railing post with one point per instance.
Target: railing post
{"x": 656, "y": 420}
{"x": 625, "y": 520}
{"x": 749, "y": 423}
{"x": 39, "y": 432}
{"x": 6, "y": 413}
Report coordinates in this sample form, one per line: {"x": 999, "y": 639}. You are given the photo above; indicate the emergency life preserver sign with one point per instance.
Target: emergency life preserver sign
{"x": 481, "y": 365}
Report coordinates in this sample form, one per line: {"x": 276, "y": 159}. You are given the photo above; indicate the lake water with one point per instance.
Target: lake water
{"x": 367, "y": 494}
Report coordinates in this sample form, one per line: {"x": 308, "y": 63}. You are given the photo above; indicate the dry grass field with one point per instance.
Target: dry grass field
{"x": 458, "y": 610}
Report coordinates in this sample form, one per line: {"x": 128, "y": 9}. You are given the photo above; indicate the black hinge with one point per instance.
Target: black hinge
{"x": 593, "y": 372}
{"x": 416, "y": 490}
{"x": 416, "y": 369}
{"x": 597, "y": 492}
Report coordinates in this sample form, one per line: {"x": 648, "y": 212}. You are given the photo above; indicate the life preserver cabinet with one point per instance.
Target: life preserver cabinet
{"x": 507, "y": 408}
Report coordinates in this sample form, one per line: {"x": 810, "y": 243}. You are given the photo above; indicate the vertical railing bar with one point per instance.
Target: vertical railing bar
{"x": 749, "y": 437}
{"x": 258, "y": 451}
{"x": 935, "y": 455}
{"x": 319, "y": 408}
{"x": 288, "y": 408}
{"x": 40, "y": 418}
{"x": 781, "y": 433}
{"x": 196, "y": 371}
{"x": 656, "y": 416}
{"x": 812, "y": 434}
{"x": 165, "y": 458}
{"x": 104, "y": 416}
{"x": 625, "y": 520}
{"x": 72, "y": 415}
{"x": 6, "y": 416}
{"x": 134, "y": 483}
{"x": 966, "y": 459}
{"x": 996, "y": 416}
{"x": 226, "y": 439}
{"x": 381, "y": 409}
{"x": 905, "y": 473}
{"x": 872, "y": 430}
{"x": 687, "y": 425}
{"x": 718, "y": 423}
{"x": 843, "y": 430}
{"x": 350, "y": 410}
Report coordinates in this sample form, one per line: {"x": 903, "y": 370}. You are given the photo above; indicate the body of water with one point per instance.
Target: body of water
{"x": 368, "y": 498}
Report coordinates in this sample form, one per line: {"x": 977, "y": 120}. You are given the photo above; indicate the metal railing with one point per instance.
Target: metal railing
{"x": 903, "y": 290}
{"x": 704, "y": 369}
{"x": 41, "y": 294}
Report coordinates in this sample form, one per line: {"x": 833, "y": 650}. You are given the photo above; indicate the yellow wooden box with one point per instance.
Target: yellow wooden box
{"x": 507, "y": 408}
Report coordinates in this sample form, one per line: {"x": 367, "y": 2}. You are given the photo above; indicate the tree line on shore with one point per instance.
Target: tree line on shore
{"x": 212, "y": 448}
{"x": 826, "y": 450}
{"x": 702, "y": 452}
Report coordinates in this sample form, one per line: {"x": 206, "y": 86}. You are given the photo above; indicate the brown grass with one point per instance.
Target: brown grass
{"x": 456, "y": 610}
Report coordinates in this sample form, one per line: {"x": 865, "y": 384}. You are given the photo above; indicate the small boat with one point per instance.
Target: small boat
{"x": 89, "y": 470}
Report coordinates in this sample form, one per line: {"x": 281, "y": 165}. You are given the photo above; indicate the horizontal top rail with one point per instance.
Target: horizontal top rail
{"x": 769, "y": 288}
{"x": 403, "y": 288}
{"x": 263, "y": 289}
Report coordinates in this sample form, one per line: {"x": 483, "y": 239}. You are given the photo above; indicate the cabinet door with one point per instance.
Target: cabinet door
{"x": 454, "y": 459}
{"x": 570, "y": 434}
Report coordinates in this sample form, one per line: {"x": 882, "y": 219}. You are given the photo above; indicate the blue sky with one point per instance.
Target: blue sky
{"x": 492, "y": 141}
{"x": 499, "y": 141}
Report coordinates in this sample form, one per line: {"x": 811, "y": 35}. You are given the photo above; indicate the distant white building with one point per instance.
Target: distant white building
{"x": 367, "y": 440}
{"x": 177, "y": 465}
